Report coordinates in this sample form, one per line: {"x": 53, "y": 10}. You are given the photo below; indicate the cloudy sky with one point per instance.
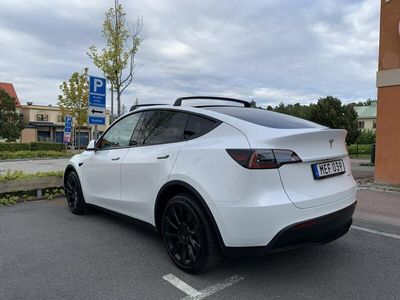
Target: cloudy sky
{"x": 266, "y": 50}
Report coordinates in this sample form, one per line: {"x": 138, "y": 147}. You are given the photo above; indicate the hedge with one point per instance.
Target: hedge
{"x": 15, "y": 147}
{"x": 362, "y": 149}
{"x": 33, "y": 154}
{"x": 34, "y": 146}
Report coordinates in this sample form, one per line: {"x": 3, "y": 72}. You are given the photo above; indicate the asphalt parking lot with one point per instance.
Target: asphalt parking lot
{"x": 48, "y": 253}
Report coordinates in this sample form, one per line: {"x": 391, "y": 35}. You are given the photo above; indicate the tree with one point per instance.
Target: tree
{"x": 297, "y": 110}
{"x": 10, "y": 121}
{"x": 74, "y": 99}
{"x": 332, "y": 113}
{"x": 122, "y": 43}
{"x": 367, "y": 102}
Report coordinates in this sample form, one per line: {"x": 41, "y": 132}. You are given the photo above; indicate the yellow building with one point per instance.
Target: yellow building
{"x": 46, "y": 124}
{"x": 366, "y": 116}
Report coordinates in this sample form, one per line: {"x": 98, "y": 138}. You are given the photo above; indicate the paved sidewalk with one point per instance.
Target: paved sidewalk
{"x": 379, "y": 207}
{"x": 361, "y": 172}
{"x": 33, "y": 166}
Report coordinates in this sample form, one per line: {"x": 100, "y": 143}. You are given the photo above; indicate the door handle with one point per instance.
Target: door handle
{"x": 115, "y": 158}
{"x": 163, "y": 157}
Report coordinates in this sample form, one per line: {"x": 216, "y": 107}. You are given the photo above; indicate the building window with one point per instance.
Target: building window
{"x": 42, "y": 118}
{"x": 60, "y": 119}
{"x": 360, "y": 124}
{"x": 374, "y": 124}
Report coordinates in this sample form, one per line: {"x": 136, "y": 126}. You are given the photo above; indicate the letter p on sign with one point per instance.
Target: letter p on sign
{"x": 97, "y": 85}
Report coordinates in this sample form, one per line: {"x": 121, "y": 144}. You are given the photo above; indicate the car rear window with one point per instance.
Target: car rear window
{"x": 198, "y": 126}
{"x": 265, "y": 118}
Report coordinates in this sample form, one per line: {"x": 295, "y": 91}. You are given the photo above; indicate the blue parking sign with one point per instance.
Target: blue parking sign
{"x": 97, "y": 100}
{"x": 97, "y": 85}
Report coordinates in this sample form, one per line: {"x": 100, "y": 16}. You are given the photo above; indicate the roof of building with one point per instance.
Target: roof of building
{"x": 9, "y": 88}
{"x": 366, "y": 112}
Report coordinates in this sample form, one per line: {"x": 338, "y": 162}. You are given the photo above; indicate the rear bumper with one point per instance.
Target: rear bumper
{"x": 317, "y": 231}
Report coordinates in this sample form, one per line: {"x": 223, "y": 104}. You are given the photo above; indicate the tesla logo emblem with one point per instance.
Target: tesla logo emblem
{"x": 331, "y": 142}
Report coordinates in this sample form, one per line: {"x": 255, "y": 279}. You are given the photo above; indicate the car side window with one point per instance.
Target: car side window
{"x": 198, "y": 126}
{"x": 119, "y": 135}
{"x": 161, "y": 126}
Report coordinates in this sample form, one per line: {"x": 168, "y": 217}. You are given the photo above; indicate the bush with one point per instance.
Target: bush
{"x": 362, "y": 149}
{"x": 37, "y": 146}
{"x": 15, "y": 147}
{"x": 366, "y": 137}
{"x": 34, "y": 146}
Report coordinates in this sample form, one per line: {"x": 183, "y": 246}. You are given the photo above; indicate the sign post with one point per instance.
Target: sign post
{"x": 97, "y": 102}
{"x": 67, "y": 129}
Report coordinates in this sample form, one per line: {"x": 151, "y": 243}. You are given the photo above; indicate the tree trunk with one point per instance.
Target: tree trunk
{"x": 79, "y": 137}
{"x": 112, "y": 104}
{"x": 118, "y": 101}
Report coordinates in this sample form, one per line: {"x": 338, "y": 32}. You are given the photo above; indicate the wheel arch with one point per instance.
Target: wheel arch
{"x": 175, "y": 187}
{"x": 70, "y": 168}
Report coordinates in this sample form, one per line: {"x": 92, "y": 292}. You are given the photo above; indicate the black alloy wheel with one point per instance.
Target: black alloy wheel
{"x": 188, "y": 235}
{"x": 74, "y": 195}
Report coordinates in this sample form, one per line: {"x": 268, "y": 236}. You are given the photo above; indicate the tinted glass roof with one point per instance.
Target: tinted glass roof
{"x": 264, "y": 117}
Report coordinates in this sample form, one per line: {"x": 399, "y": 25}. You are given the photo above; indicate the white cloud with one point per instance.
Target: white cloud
{"x": 272, "y": 51}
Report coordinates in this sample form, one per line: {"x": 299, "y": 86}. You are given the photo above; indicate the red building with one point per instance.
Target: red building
{"x": 9, "y": 88}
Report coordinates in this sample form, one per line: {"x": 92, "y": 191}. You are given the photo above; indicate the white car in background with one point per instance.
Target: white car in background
{"x": 218, "y": 180}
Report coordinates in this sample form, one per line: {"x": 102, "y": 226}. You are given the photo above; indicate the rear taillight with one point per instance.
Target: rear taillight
{"x": 263, "y": 158}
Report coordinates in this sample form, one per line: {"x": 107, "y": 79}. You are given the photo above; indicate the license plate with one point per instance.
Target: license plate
{"x": 328, "y": 169}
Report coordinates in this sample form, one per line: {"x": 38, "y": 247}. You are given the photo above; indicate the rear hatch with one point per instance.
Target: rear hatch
{"x": 311, "y": 182}
{"x": 324, "y": 175}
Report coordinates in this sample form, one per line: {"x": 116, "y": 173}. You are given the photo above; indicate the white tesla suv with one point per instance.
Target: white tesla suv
{"x": 218, "y": 180}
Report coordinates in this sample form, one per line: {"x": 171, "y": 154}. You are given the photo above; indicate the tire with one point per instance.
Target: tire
{"x": 188, "y": 235}
{"x": 73, "y": 192}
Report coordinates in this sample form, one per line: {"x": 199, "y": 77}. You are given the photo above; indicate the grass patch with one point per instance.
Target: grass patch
{"x": 34, "y": 154}
{"x": 15, "y": 175}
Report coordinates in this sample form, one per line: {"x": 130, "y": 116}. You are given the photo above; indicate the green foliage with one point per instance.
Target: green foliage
{"x": 50, "y": 194}
{"x": 15, "y": 147}
{"x": 33, "y": 146}
{"x": 362, "y": 149}
{"x": 10, "y": 121}
{"x": 367, "y": 102}
{"x": 332, "y": 113}
{"x": 42, "y": 146}
{"x": 8, "y": 200}
{"x": 327, "y": 111}
{"x": 16, "y": 175}
{"x": 33, "y": 154}
{"x": 122, "y": 43}
{"x": 73, "y": 100}
{"x": 367, "y": 136}
{"x": 297, "y": 110}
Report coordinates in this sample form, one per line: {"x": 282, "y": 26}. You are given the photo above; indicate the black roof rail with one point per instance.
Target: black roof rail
{"x": 133, "y": 107}
{"x": 178, "y": 102}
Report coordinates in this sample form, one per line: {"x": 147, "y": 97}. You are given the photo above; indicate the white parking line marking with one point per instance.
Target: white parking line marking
{"x": 193, "y": 294}
{"x": 390, "y": 235}
{"x": 216, "y": 288}
{"x": 183, "y": 286}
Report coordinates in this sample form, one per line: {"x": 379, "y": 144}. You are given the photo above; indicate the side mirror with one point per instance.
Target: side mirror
{"x": 91, "y": 146}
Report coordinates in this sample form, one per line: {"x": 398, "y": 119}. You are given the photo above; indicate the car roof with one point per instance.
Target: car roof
{"x": 242, "y": 118}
